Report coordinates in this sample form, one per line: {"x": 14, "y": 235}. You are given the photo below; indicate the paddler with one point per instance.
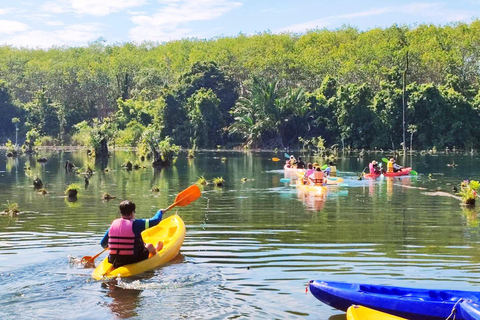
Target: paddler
{"x": 390, "y": 165}
{"x": 310, "y": 170}
{"x": 300, "y": 163}
{"x": 293, "y": 162}
{"x": 317, "y": 177}
{"x": 333, "y": 169}
{"x": 124, "y": 237}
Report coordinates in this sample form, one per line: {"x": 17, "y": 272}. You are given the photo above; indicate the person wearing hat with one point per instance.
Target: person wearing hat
{"x": 293, "y": 161}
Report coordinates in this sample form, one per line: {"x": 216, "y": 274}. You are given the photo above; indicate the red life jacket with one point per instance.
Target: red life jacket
{"x": 121, "y": 239}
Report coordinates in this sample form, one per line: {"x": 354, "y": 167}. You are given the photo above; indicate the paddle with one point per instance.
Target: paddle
{"x": 87, "y": 260}
{"x": 183, "y": 199}
{"x": 285, "y": 180}
{"x": 385, "y": 160}
{"x": 325, "y": 166}
{"x": 275, "y": 159}
{"x": 286, "y": 155}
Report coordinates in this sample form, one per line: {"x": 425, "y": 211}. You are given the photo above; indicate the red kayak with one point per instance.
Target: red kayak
{"x": 402, "y": 172}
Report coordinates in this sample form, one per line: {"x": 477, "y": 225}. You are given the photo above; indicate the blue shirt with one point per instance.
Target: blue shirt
{"x": 138, "y": 226}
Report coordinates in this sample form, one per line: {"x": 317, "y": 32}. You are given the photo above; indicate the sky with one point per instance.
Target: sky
{"x": 73, "y": 23}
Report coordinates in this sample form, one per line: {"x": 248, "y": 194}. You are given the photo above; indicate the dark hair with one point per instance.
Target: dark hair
{"x": 299, "y": 158}
{"x": 330, "y": 163}
{"x": 310, "y": 166}
{"x": 318, "y": 169}
{"x": 126, "y": 207}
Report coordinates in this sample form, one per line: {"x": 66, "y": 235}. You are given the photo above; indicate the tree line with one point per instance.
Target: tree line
{"x": 341, "y": 87}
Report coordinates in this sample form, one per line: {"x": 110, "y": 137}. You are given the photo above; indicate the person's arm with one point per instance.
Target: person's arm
{"x": 142, "y": 224}
{"x": 104, "y": 241}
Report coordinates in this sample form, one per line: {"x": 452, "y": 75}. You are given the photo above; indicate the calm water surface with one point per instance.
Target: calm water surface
{"x": 251, "y": 247}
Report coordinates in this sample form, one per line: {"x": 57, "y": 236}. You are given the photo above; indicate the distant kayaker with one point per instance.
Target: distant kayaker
{"x": 124, "y": 237}
{"x": 300, "y": 163}
{"x": 333, "y": 169}
{"x": 374, "y": 168}
{"x": 317, "y": 177}
{"x": 390, "y": 165}
{"x": 310, "y": 170}
{"x": 293, "y": 161}
{"x": 396, "y": 166}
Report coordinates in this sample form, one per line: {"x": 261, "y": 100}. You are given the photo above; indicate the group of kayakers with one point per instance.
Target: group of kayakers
{"x": 392, "y": 166}
{"x": 315, "y": 174}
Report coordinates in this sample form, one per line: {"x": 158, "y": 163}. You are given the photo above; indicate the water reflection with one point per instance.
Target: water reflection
{"x": 124, "y": 301}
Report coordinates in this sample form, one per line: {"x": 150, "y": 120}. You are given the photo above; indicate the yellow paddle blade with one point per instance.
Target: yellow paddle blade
{"x": 275, "y": 159}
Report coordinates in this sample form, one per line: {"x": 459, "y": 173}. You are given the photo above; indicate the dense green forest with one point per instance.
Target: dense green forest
{"x": 261, "y": 91}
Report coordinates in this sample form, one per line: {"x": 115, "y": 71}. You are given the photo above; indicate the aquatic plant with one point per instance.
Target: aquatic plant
{"x": 224, "y": 159}
{"x": 468, "y": 191}
{"x": 128, "y": 165}
{"x": 42, "y": 191}
{"x": 218, "y": 182}
{"x": 11, "y": 208}
{"x": 155, "y": 189}
{"x": 202, "y": 181}
{"x": 244, "y": 179}
{"x": 72, "y": 190}
{"x": 106, "y": 196}
{"x": 191, "y": 153}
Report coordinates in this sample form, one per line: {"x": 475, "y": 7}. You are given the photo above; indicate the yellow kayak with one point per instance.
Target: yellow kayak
{"x": 330, "y": 180}
{"x": 171, "y": 231}
{"x": 311, "y": 188}
{"x": 363, "y": 313}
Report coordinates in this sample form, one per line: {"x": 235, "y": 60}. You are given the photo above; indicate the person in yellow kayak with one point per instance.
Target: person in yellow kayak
{"x": 317, "y": 177}
{"x": 310, "y": 171}
{"x": 124, "y": 237}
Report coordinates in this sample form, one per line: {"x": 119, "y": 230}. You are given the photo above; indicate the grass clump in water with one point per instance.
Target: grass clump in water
{"x": 218, "y": 182}
{"x": 202, "y": 181}
{"x": 72, "y": 190}
{"x": 468, "y": 191}
{"x": 11, "y": 208}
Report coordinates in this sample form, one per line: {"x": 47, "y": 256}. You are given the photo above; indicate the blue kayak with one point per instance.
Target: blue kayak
{"x": 469, "y": 310}
{"x": 410, "y": 303}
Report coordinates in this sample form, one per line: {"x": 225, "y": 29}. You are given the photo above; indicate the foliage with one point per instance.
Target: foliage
{"x": 162, "y": 150}
{"x": 72, "y": 190}
{"x": 219, "y": 181}
{"x": 11, "y": 208}
{"x": 202, "y": 181}
{"x": 262, "y": 91}
{"x": 468, "y": 191}
{"x": 30, "y": 140}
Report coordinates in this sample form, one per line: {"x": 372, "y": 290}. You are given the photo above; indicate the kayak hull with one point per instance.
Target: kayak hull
{"x": 470, "y": 310}
{"x": 171, "y": 231}
{"x": 410, "y": 303}
{"x": 292, "y": 170}
{"x": 403, "y": 172}
{"x": 356, "y": 312}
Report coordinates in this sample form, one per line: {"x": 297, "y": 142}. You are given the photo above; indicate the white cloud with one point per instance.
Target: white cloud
{"x": 425, "y": 9}
{"x": 73, "y": 35}
{"x": 54, "y": 23}
{"x": 169, "y": 22}
{"x": 9, "y": 26}
{"x": 5, "y": 11}
{"x": 91, "y": 7}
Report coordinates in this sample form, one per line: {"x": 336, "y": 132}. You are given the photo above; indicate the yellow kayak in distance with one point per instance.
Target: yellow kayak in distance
{"x": 171, "y": 231}
{"x": 363, "y": 313}
{"x": 330, "y": 180}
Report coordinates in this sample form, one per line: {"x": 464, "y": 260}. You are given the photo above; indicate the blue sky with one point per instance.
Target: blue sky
{"x": 46, "y": 23}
